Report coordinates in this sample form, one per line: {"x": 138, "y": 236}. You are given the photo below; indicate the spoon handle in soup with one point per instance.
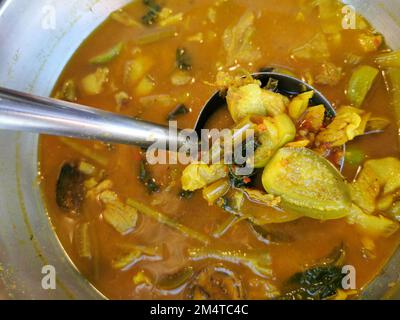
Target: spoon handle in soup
{"x": 24, "y": 112}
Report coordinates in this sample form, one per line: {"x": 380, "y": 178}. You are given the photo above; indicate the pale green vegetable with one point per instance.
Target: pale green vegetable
{"x": 257, "y": 260}
{"x": 199, "y": 175}
{"x": 389, "y": 60}
{"x": 316, "y": 49}
{"x": 307, "y": 183}
{"x": 375, "y": 226}
{"x": 120, "y": 216}
{"x": 134, "y": 255}
{"x": 237, "y": 41}
{"x": 216, "y": 190}
{"x": 299, "y": 104}
{"x": 349, "y": 123}
{"x": 252, "y": 100}
{"x": 354, "y": 156}
{"x": 393, "y": 77}
{"x": 82, "y": 240}
{"x": 155, "y": 36}
{"x": 108, "y": 55}
{"x": 330, "y": 16}
{"x": 360, "y": 84}
{"x": 379, "y": 177}
{"x": 163, "y": 219}
{"x": 69, "y": 91}
{"x": 93, "y": 83}
{"x": 369, "y": 41}
{"x": 136, "y": 69}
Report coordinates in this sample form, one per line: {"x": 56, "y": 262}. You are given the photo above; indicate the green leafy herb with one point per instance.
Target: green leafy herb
{"x": 184, "y": 194}
{"x": 146, "y": 178}
{"x": 183, "y": 59}
{"x": 315, "y": 284}
{"x": 152, "y": 14}
{"x": 178, "y": 111}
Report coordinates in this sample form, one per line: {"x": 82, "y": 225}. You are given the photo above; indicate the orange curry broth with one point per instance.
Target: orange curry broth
{"x": 277, "y": 33}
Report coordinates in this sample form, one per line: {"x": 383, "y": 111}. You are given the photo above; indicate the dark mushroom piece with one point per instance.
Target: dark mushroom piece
{"x": 69, "y": 189}
{"x": 215, "y": 283}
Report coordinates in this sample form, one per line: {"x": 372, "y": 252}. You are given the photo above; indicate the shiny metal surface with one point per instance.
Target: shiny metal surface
{"x": 29, "y": 113}
{"x": 32, "y": 55}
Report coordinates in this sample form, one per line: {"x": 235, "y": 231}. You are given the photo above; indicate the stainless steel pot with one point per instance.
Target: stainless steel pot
{"x": 37, "y": 38}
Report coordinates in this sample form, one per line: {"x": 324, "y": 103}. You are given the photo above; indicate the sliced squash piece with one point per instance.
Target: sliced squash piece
{"x": 307, "y": 183}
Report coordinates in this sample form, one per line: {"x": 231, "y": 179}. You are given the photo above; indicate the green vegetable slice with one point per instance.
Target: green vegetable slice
{"x": 307, "y": 183}
{"x": 109, "y": 55}
{"x": 360, "y": 83}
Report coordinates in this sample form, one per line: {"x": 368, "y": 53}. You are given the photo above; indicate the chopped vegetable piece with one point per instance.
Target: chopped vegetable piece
{"x": 166, "y": 18}
{"x": 215, "y": 283}
{"x": 183, "y": 59}
{"x": 134, "y": 255}
{"x": 393, "y": 77}
{"x": 257, "y": 260}
{"x": 307, "y": 184}
{"x": 69, "y": 189}
{"x": 121, "y": 217}
{"x": 181, "y": 78}
{"x": 155, "y": 36}
{"x": 374, "y": 226}
{"x": 124, "y": 18}
{"x": 389, "y": 60}
{"x": 86, "y": 168}
{"x": 376, "y": 124}
{"x": 167, "y": 221}
{"x": 136, "y": 69}
{"x": 87, "y": 152}
{"x": 330, "y": 16}
{"x": 82, "y": 240}
{"x": 216, "y": 190}
{"x": 121, "y": 99}
{"x": 177, "y": 111}
{"x": 378, "y": 177}
{"x": 225, "y": 226}
{"x": 69, "y": 91}
{"x": 93, "y": 83}
{"x": 251, "y": 100}
{"x": 330, "y": 75}
{"x": 159, "y": 100}
{"x": 263, "y": 209}
{"x": 316, "y": 49}
{"x": 144, "y": 87}
{"x": 314, "y": 118}
{"x": 108, "y": 55}
{"x": 175, "y": 280}
{"x": 354, "y": 156}
{"x": 299, "y": 104}
{"x": 197, "y": 176}
{"x": 237, "y": 41}
{"x": 370, "y": 42}
{"x": 360, "y": 84}
{"x": 141, "y": 278}
{"x": 349, "y": 123}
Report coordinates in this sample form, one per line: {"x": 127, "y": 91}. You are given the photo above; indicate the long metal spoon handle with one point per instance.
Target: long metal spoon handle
{"x": 25, "y": 112}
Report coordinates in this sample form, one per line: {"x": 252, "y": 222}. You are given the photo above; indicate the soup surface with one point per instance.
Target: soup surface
{"x": 129, "y": 226}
